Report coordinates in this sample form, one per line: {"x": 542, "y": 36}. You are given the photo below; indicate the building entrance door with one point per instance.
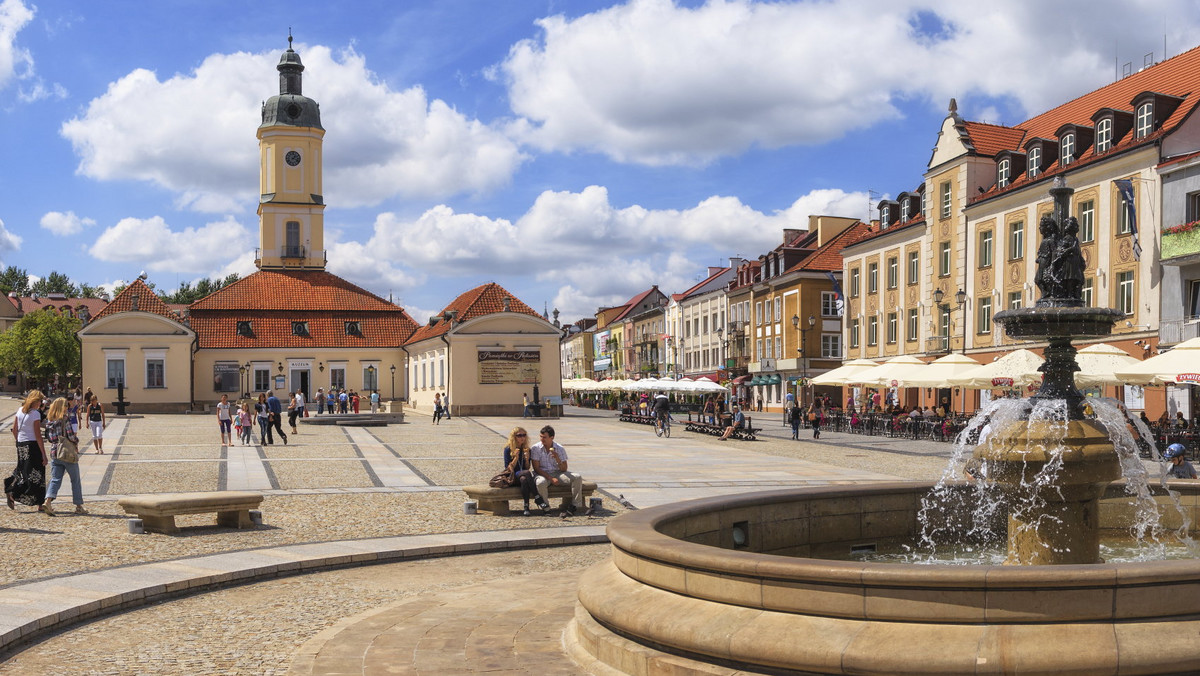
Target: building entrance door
{"x": 300, "y": 381}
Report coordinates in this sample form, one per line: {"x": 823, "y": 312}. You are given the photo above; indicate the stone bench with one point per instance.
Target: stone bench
{"x": 495, "y": 500}
{"x": 158, "y": 512}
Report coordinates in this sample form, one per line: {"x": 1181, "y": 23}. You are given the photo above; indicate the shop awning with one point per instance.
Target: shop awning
{"x": 741, "y": 380}
{"x": 774, "y": 379}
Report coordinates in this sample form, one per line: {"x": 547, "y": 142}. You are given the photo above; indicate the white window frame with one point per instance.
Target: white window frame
{"x": 904, "y": 211}
{"x": 1016, "y": 240}
{"x": 778, "y": 308}
{"x": 872, "y": 331}
{"x": 884, "y": 215}
{"x": 1145, "y": 120}
{"x": 1125, "y": 293}
{"x": 758, "y": 349}
{"x": 914, "y": 267}
{"x": 829, "y": 307}
{"x": 913, "y": 324}
{"x": 944, "y": 260}
{"x": 1104, "y": 133}
{"x": 893, "y": 272}
{"x": 893, "y": 328}
{"x": 1016, "y": 300}
{"x": 758, "y": 312}
{"x": 854, "y": 333}
{"x": 1067, "y": 149}
{"x": 831, "y": 346}
{"x": 110, "y": 381}
{"x": 1088, "y": 291}
{"x": 1003, "y": 171}
{"x": 778, "y": 347}
{"x": 336, "y": 383}
{"x": 1123, "y": 214}
{"x": 367, "y": 384}
{"x": 1087, "y": 221}
{"x": 947, "y": 201}
{"x": 854, "y": 282}
{"x": 985, "y": 248}
{"x": 161, "y": 359}
{"x": 263, "y": 371}
{"x": 984, "y": 314}
{"x": 1035, "y": 161}
{"x": 872, "y": 277}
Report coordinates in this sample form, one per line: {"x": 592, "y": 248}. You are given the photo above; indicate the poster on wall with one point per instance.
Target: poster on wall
{"x": 499, "y": 367}
{"x": 226, "y": 377}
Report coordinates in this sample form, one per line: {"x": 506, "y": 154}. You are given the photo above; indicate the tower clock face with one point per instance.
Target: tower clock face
{"x": 292, "y": 158}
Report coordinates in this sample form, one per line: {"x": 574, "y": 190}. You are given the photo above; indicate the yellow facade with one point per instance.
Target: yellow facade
{"x": 291, "y": 208}
{"x": 153, "y": 354}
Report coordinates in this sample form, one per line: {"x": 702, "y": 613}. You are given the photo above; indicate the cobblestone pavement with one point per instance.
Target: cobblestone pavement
{"x": 332, "y": 484}
{"x": 257, "y": 629}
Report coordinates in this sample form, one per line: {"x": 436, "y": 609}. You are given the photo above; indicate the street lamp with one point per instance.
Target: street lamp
{"x": 812, "y": 321}
{"x": 242, "y": 382}
{"x": 961, "y": 298}
{"x": 371, "y": 376}
{"x": 393, "y": 370}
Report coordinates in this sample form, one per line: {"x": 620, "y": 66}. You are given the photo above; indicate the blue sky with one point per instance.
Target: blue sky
{"x": 574, "y": 152}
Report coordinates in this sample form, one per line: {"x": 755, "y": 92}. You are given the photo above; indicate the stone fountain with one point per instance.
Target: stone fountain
{"x": 769, "y": 583}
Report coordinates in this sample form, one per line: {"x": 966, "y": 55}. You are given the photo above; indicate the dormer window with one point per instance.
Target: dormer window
{"x": 1035, "y": 162}
{"x": 1067, "y": 149}
{"x": 245, "y": 329}
{"x": 904, "y": 211}
{"x": 353, "y": 328}
{"x": 1003, "y": 173}
{"x": 885, "y": 217}
{"x": 1104, "y": 135}
{"x": 300, "y": 329}
{"x": 1144, "y": 123}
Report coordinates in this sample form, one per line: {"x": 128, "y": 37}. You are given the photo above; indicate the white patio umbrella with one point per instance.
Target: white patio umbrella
{"x": 885, "y": 373}
{"x": 704, "y": 385}
{"x": 1015, "y": 369}
{"x": 938, "y": 372}
{"x": 838, "y": 375}
{"x": 1177, "y": 366}
{"x": 1099, "y": 363}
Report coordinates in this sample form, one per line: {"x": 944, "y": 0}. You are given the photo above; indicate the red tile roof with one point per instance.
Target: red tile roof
{"x": 632, "y": 304}
{"x": 25, "y": 304}
{"x": 271, "y": 300}
{"x": 700, "y": 284}
{"x": 1177, "y": 76}
{"x": 293, "y": 290}
{"x": 873, "y": 232}
{"x": 828, "y": 258}
{"x": 147, "y": 301}
{"x": 326, "y": 328}
{"x": 482, "y": 300}
{"x": 990, "y": 139}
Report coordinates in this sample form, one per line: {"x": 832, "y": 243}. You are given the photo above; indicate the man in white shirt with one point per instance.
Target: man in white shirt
{"x": 550, "y": 465}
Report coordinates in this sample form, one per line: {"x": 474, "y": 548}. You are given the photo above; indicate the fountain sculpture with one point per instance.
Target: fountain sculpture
{"x": 768, "y": 582}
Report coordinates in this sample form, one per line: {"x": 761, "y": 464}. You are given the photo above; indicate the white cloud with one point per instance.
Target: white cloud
{"x": 653, "y": 82}
{"x": 369, "y": 269}
{"x": 152, "y": 243}
{"x": 9, "y": 242}
{"x": 388, "y": 142}
{"x": 66, "y": 224}
{"x": 15, "y": 62}
{"x": 579, "y": 240}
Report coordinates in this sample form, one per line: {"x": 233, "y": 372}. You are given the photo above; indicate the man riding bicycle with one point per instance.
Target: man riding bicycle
{"x": 662, "y": 410}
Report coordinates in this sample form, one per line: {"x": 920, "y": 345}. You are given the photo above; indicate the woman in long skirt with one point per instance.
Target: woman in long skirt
{"x": 27, "y": 483}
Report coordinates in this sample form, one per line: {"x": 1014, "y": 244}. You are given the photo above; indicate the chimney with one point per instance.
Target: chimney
{"x": 791, "y": 233}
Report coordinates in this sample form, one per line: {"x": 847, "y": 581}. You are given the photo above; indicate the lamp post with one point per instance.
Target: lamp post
{"x": 242, "y": 381}
{"x": 961, "y": 298}
{"x": 802, "y": 351}
{"x": 393, "y": 370}
{"x": 371, "y": 376}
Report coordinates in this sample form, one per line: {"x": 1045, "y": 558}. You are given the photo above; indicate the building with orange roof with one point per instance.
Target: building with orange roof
{"x": 1130, "y": 150}
{"x": 486, "y": 349}
{"x": 13, "y": 307}
{"x": 696, "y": 322}
{"x": 289, "y": 326}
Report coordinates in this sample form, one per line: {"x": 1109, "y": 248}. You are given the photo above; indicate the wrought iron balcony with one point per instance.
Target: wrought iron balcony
{"x": 937, "y": 344}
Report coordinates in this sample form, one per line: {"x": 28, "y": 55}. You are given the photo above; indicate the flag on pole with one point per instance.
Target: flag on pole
{"x": 837, "y": 290}
{"x": 1125, "y": 187}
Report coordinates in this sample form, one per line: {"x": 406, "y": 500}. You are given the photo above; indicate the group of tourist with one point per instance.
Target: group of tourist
{"x": 538, "y": 467}
{"x": 47, "y": 437}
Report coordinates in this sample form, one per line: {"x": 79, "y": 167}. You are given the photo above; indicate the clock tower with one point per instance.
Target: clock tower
{"x": 290, "y": 206}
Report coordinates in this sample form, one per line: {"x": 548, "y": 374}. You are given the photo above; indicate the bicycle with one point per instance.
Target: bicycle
{"x": 662, "y": 427}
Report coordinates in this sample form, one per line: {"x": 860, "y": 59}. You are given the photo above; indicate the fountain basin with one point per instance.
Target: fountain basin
{"x": 737, "y": 583}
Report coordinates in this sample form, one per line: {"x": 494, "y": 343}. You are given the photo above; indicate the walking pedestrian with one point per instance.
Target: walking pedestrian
{"x": 275, "y": 418}
{"x": 27, "y": 483}
{"x": 224, "y": 420}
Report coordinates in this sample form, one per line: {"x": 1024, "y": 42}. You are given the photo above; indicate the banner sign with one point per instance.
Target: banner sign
{"x": 1188, "y": 378}
{"x": 1002, "y": 382}
{"x": 498, "y": 367}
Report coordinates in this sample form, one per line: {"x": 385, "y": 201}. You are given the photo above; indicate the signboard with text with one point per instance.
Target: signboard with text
{"x": 499, "y": 367}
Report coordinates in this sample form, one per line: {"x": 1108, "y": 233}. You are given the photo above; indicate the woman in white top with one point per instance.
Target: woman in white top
{"x": 27, "y": 484}
{"x": 225, "y": 420}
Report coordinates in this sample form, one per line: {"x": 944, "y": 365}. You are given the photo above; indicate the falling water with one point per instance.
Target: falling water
{"x": 967, "y": 522}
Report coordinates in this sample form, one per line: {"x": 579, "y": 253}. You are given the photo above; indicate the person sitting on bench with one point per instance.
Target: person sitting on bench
{"x": 738, "y": 422}
{"x": 550, "y": 464}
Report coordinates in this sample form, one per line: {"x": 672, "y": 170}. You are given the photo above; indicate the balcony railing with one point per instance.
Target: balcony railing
{"x": 1172, "y": 331}
{"x": 937, "y": 344}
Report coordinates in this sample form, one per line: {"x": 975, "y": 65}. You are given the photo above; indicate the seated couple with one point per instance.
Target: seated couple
{"x": 538, "y": 467}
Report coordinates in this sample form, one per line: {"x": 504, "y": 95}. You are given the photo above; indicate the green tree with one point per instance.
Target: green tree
{"x": 41, "y": 344}
{"x": 186, "y": 293}
{"x": 55, "y": 282}
{"x": 14, "y": 279}
{"x": 88, "y": 291}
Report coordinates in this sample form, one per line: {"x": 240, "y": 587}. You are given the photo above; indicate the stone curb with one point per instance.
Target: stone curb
{"x": 30, "y": 611}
